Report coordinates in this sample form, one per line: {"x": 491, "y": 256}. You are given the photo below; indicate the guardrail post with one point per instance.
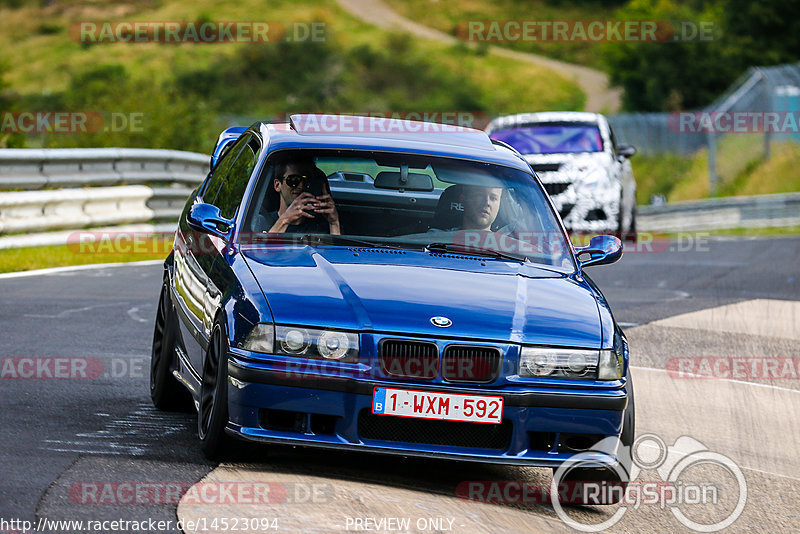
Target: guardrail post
{"x": 712, "y": 164}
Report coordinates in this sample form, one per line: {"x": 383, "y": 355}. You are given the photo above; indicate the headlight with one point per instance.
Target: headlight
{"x": 558, "y": 363}
{"x": 260, "y": 339}
{"x": 593, "y": 180}
{"x": 316, "y": 343}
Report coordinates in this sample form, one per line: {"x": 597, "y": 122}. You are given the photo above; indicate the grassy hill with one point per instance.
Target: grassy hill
{"x": 450, "y": 16}
{"x": 187, "y": 92}
{"x": 741, "y": 168}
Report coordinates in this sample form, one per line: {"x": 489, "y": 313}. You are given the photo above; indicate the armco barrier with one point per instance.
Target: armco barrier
{"x": 761, "y": 211}
{"x": 79, "y": 167}
{"x": 62, "y": 189}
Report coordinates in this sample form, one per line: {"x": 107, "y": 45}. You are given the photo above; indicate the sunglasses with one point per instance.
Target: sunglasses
{"x": 293, "y": 180}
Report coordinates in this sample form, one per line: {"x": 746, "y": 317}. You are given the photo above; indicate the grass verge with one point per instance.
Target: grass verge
{"x": 741, "y": 168}
{"x": 30, "y": 258}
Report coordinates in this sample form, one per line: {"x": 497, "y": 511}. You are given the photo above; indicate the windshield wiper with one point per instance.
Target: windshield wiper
{"x": 473, "y": 250}
{"x": 333, "y": 239}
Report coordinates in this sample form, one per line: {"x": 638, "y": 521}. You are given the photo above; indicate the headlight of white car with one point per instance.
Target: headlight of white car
{"x": 592, "y": 180}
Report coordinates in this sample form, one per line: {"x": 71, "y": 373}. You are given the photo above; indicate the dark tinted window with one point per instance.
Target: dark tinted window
{"x": 232, "y": 189}
{"x": 222, "y": 168}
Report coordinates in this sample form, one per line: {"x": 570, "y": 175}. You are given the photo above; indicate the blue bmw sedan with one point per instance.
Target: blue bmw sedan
{"x": 392, "y": 287}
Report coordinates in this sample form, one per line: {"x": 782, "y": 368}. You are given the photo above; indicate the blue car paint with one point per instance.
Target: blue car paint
{"x": 382, "y": 295}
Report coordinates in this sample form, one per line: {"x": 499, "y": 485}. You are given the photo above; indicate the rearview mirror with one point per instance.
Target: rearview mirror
{"x": 207, "y": 219}
{"x": 602, "y": 250}
{"x": 412, "y": 181}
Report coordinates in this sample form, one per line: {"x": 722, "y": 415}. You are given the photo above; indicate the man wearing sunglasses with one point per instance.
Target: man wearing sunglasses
{"x": 306, "y": 205}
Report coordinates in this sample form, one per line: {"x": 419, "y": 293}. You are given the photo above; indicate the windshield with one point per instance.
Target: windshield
{"x": 552, "y": 138}
{"x": 405, "y": 201}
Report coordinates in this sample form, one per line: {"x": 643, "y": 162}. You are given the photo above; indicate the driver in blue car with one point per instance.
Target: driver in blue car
{"x": 306, "y": 205}
{"x": 481, "y": 206}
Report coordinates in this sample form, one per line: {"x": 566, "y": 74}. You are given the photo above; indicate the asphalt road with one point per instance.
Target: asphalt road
{"x": 65, "y": 440}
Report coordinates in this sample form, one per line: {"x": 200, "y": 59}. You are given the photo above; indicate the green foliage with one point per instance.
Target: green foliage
{"x": 8, "y": 103}
{"x": 180, "y": 96}
{"x": 671, "y": 75}
{"x": 452, "y": 16}
{"x": 47, "y": 28}
{"x": 319, "y": 76}
{"x": 136, "y": 113}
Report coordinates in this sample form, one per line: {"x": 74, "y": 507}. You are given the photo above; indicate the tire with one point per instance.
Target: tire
{"x": 212, "y": 412}
{"x": 620, "y": 231}
{"x": 632, "y": 235}
{"x": 165, "y": 390}
{"x": 575, "y": 477}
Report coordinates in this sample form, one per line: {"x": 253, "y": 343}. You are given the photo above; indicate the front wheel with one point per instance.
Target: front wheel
{"x": 212, "y": 413}
{"x": 632, "y": 235}
{"x": 601, "y": 485}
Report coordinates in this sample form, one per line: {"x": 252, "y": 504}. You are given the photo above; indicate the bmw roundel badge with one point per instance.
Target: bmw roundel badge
{"x": 441, "y": 322}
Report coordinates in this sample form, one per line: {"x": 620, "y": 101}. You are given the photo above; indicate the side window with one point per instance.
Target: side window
{"x": 232, "y": 189}
{"x": 222, "y": 168}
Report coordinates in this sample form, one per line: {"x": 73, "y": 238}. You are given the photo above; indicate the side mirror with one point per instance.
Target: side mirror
{"x": 626, "y": 151}
{"x": 206, "y": 218}
{"x": 602, "y": 250}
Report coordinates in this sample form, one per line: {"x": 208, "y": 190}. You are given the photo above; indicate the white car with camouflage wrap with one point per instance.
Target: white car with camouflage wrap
{"x": 575, "y": 155}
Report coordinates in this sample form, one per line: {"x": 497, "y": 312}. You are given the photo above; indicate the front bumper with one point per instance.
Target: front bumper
{"x": 266, "y": 403}
{"x": 594, "y": 212}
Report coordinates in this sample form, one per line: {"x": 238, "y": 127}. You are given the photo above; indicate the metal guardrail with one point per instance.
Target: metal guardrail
{"x": 761, "y": 211}
{"x": 23, "y": 168}
{"x": 60, "y": 209}
{"x": 64, "y": 189}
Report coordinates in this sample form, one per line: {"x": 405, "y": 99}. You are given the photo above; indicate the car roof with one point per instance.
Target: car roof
{"x": 524, "y": 119}
{"x": 351, "y": 132}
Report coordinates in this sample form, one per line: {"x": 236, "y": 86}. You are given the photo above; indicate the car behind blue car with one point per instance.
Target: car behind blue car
{"x": 423, "y": 300}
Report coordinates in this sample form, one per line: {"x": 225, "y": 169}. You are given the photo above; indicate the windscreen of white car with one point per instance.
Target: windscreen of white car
{"x": 552, "y": 138}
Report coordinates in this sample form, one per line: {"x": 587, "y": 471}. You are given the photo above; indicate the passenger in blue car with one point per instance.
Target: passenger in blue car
{"x": 306, "y": 205}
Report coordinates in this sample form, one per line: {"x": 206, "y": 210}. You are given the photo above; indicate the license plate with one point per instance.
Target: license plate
{"x": 442, "y": 406}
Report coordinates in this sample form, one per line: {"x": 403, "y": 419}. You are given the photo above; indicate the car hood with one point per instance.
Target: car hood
{"x": 383, "y": 290}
